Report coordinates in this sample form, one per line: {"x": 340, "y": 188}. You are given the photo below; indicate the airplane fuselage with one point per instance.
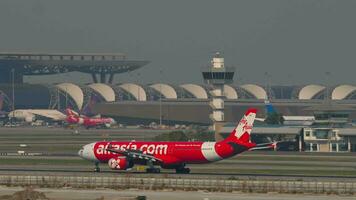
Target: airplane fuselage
{"x": 171, "y": 153}
{"x": 89, "y": 122}
{"x": 121, "y": 155}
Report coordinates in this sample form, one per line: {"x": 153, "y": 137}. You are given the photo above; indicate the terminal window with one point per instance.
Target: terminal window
{"x": 307, "y": 133}
{"x": 321, "y": 134}
{"x": 314, "y": 147}
{"x": 311, "y": 147}
{"x": 333, "y": 146}
{"x": 343, "y": 147}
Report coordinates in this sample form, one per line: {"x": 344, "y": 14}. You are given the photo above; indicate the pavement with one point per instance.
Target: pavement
{"x": 76, "y": 194}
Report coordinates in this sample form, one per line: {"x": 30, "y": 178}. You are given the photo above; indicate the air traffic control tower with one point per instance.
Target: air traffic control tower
{"x": 217, "y": 75}
{"x": 99, "y": 65}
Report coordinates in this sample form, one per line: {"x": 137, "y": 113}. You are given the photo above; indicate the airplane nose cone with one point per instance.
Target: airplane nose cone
{"x": 80, "y": 153}
{"x": 87, "y": 152}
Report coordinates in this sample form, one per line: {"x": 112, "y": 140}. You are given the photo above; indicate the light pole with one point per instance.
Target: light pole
{"x": 66, "y": 99}
{"x": 160, "y": 99}
{"x": 138, "y": 88}
{"x": 13, "y": 94}
{"x": 13, "y": 88}
{"x": 128, "y": 93}
{"x": 327, "y": 95}
{"x": 58, "y": 100}
{"x": 268, "y": 86}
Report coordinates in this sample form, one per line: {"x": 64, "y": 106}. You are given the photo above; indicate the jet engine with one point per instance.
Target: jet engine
{"x": 119, "y": 163}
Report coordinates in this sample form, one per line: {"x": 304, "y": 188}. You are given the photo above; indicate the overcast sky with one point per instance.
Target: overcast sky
{"x": 296, "y": 42}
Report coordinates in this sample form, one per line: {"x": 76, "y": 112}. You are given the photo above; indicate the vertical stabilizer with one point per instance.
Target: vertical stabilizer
{"x": 241, "y": 134}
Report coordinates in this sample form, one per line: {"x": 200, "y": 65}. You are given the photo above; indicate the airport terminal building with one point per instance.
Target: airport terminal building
{"x": 185, "y": 103}
{"x": 132, "y": 103}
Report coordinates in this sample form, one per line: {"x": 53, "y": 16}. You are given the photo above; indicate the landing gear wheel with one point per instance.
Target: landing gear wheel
{"x": 153, "y": 170}
{"x": 97, "y": 168}
{"x": 182, "y": 170}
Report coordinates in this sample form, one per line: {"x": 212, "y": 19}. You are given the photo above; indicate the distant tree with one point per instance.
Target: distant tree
{"x": 172, "y": 136}
{"x": 193, "y": 135}
{"x": 274, "y": 118}
{"x": 202, "y": 136}
{"x": 178, "y": 136}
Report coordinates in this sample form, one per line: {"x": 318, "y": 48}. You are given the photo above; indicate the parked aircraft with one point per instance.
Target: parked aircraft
{"x": 88, "y": 122}
{"x": 29, "y": 115}
{"x": 172, "y": 155}
{"x": 289, "y": 119}
{"x": 3, "y": 114}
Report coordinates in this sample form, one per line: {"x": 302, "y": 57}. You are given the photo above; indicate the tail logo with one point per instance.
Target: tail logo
{"x": 243, "y": 126}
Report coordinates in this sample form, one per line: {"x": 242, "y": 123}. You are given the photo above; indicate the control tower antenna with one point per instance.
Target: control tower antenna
{"x": 217, "y": 75}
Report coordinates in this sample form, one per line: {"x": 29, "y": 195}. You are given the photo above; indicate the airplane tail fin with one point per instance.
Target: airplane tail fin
{"x": 88, "y": 108}
{"x": 269, "y": 108}
{"x": 241, "y": 134}
{"x": 70, "y": 112}
{"x": 1, "y": 101}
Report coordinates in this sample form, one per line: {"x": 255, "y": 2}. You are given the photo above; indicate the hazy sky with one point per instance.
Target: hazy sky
{"x": 294, "y": 41}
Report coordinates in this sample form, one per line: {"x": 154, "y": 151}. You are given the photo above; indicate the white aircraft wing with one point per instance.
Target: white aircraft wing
{"x": 52, "y": 114}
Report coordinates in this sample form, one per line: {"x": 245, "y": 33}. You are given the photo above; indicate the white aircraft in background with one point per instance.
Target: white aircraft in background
{"x": 288, "y": 120}
{"x": 29, "y": 115}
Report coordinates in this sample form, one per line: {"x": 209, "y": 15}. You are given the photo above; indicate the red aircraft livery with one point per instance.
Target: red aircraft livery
{"x": 74, "y": 118}
{"x": 172, "y": 155}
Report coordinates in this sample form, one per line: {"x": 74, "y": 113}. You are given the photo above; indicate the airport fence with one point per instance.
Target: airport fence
{"x": 255, "y": 186}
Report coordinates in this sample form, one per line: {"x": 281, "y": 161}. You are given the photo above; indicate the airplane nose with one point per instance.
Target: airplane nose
{"x": 80, "y": 152}
{"x": 87, "y": 152}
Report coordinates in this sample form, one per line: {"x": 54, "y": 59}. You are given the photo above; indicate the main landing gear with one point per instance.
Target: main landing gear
{"x": 97, "y": 168}
{"x": 182, "y": 170}
{"x": 151, "y": 168}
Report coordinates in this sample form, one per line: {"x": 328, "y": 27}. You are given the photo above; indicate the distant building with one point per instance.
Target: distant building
{"x": 101, "y": 66}
{"x": 331, "y": 131}
{"x": 185, "y": 103}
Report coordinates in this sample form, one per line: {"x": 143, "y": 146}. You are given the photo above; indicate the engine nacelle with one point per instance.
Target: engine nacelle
{"x": 119, "y": 163}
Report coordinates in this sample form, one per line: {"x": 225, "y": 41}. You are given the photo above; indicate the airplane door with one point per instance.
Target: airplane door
{"x": 170, "y": 150}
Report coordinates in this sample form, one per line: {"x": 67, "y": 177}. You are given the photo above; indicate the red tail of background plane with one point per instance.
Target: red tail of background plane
{"x": 70, "y": 112}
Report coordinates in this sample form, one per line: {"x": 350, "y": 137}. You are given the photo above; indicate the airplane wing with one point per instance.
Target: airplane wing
{"x": 52, "y": 114}
{"x": 135, "y": 154}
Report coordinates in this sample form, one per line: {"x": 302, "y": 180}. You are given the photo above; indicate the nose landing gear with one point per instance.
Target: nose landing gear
{"x": 97, "y": 168}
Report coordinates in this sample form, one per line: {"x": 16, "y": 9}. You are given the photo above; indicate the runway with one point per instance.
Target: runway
{"x": 68, "y": 171}
{"x": 58, "y": 149}
{"x": 64, "y": 141}
{"x": 52, "y": 152}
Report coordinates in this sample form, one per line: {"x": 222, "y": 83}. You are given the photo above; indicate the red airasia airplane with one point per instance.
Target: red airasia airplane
{"x": 74, "y": 118}
{"x": 172, "y": 155}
